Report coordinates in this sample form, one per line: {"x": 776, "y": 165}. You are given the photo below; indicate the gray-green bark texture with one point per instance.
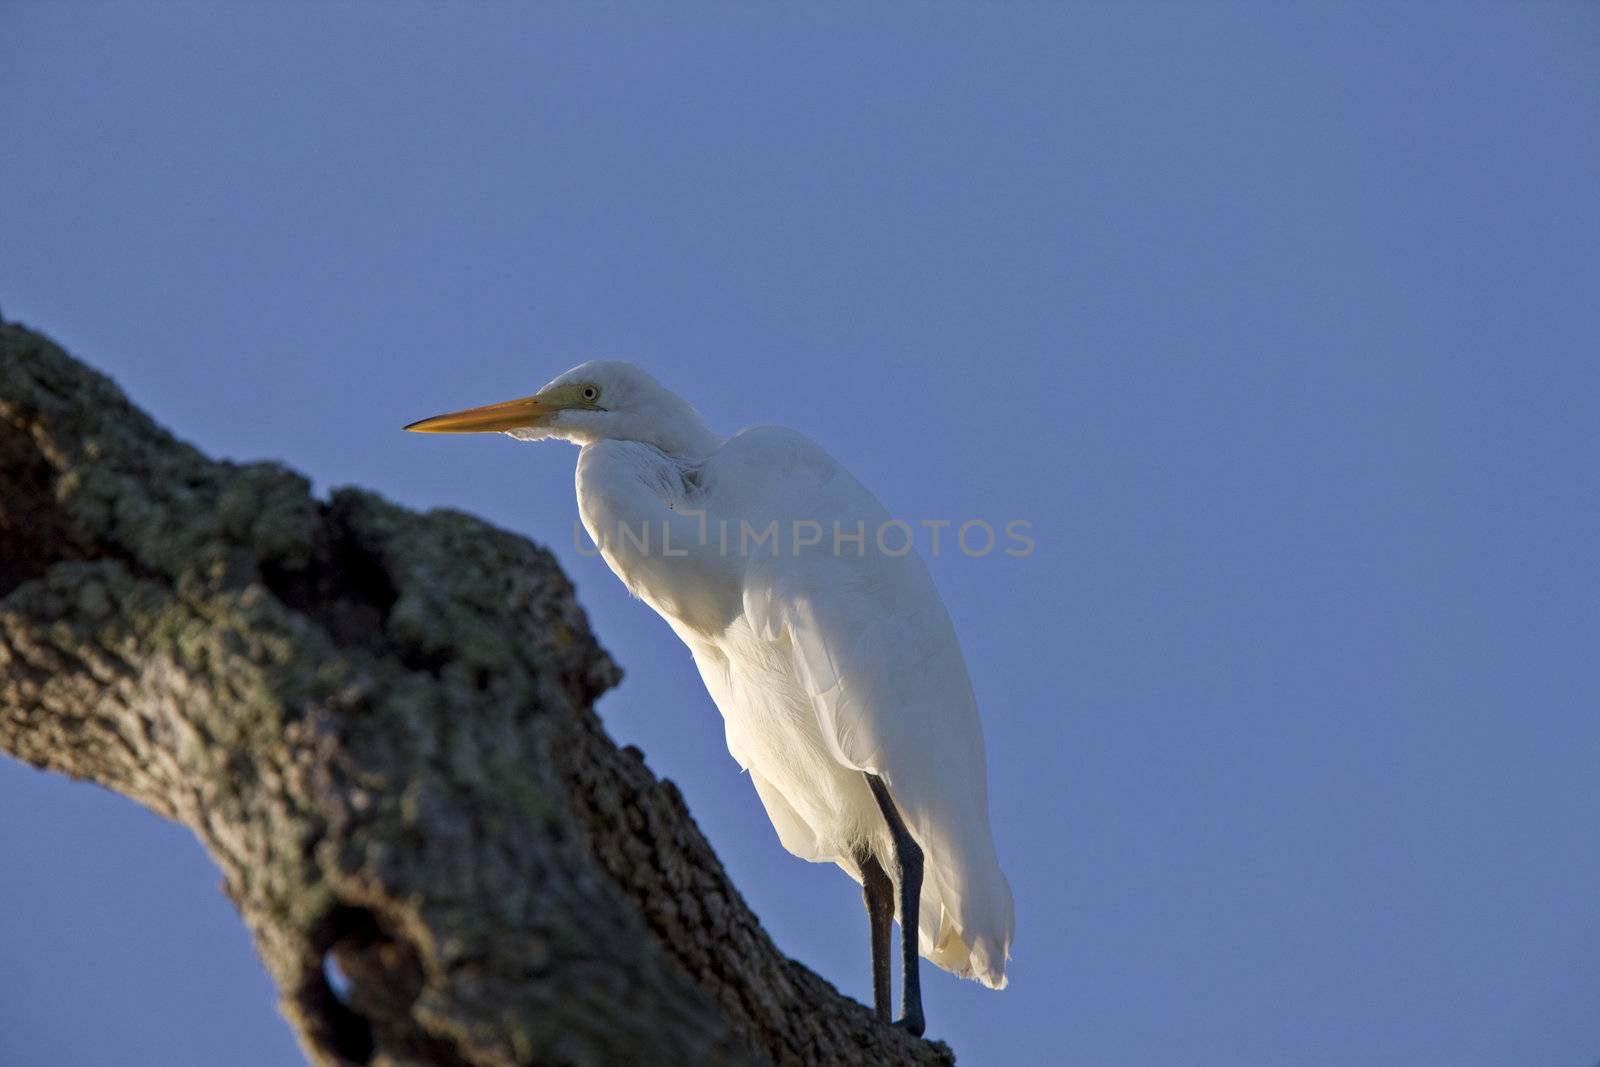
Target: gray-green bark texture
{"x": 379, "y": 725}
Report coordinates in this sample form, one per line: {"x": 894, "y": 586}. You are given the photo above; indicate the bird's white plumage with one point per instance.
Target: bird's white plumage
{"x": 826, "y": 660}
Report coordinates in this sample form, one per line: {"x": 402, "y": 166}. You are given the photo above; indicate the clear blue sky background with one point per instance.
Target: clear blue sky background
{"x": 1279, "y": 325}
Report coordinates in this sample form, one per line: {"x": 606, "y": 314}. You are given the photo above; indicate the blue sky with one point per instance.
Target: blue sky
{"x": 1280, "y": 326}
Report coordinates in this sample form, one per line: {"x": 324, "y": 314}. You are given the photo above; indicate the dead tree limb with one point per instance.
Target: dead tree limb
{"x": 379, "y": 724}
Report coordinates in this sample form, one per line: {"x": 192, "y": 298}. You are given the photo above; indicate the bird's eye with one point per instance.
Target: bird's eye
{"x": 591, "y": 393}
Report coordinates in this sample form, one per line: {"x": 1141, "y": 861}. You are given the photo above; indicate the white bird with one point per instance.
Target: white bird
{"x": 833, "y": 661}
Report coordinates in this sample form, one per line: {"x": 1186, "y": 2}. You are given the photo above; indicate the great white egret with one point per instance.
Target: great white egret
{"x": 829, "y": 653}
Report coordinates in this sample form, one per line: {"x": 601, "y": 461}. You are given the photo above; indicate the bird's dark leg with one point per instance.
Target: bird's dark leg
{"x": 878, "y": 891}
{"x": 908, "y": 858}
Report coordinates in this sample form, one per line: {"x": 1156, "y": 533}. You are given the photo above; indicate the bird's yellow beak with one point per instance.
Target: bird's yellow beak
{"x": 491, "y": 418}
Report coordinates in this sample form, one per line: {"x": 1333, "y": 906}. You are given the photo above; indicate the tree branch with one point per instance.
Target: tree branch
{"x": 379, "y": 725}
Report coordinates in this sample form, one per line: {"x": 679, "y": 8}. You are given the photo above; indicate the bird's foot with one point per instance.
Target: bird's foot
{"x": 912, "y": 1024}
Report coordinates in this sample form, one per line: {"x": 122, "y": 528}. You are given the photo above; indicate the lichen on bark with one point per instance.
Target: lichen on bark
{"x": 379, "y": 724}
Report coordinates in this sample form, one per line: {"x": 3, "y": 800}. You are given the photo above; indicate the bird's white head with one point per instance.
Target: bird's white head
{"x": 597, "y": 401}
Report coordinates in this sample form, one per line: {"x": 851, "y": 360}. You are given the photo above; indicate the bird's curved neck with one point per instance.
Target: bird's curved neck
{"x": 683, "y": 436}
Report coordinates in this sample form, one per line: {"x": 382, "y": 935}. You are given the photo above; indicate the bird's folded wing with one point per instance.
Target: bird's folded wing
{"x": 871, "y": 644}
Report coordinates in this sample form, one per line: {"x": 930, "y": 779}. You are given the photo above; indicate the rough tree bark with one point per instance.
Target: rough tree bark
{"x": 379, "y": 724}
